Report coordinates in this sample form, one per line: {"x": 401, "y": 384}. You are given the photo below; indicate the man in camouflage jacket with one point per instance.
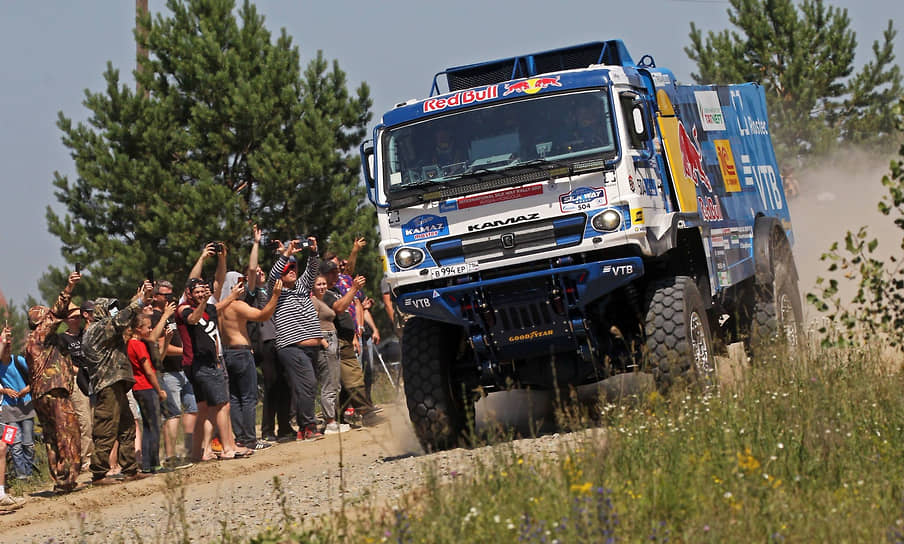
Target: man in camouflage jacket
{"x": 111, "y": 378}
{"x": 51, "y": 379}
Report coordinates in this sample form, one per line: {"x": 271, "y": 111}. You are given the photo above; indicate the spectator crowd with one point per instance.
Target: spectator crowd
{"x": 110, "y": 381}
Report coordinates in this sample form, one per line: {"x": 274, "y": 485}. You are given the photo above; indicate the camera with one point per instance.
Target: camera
{"x": 217, "y": 247}
{"x": 304, "y": 243}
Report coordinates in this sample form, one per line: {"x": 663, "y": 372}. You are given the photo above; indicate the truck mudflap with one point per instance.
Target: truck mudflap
{"x": 513, "y": 316}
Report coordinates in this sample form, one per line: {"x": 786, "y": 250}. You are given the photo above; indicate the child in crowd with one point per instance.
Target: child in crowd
{"x": 147, "y": 392}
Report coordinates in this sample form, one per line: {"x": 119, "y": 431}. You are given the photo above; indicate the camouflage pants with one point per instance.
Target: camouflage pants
{"x": 61, "y": 436}
{"x": 113, "y": 421}
{"x": 353, "y": 392}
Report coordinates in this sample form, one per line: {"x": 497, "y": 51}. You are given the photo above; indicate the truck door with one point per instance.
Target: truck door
{"x": 645, "y": 172}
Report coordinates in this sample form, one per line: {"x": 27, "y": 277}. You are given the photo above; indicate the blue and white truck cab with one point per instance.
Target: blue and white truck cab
{"x": 554, "y": 219}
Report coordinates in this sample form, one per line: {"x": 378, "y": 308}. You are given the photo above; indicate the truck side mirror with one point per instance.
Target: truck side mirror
{"x": 640, "y": 127}
{"x": 367, "y": 168}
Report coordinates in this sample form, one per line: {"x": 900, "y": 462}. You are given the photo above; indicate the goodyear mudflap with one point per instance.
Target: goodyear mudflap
{"x": 510, "y": 317}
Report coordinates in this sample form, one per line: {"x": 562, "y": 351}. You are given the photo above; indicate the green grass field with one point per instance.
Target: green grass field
{"x": 805, "y": 448}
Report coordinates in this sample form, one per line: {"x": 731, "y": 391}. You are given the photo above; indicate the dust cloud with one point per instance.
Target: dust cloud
{"x": 836, "y": 197}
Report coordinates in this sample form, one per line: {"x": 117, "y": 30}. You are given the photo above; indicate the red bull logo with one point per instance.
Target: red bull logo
{"x": 461, "y": 99}
{"x": 531, "y": 86}
{"x": 693, "y": 158}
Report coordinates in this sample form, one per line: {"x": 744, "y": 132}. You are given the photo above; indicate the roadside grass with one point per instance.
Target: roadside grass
{"x": 802, "y": 448}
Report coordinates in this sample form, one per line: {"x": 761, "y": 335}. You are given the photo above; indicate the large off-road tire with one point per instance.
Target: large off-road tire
{"x": 438, "y": 407}
{"x": 777, "y": 314}
{"x": 678, "y": 342}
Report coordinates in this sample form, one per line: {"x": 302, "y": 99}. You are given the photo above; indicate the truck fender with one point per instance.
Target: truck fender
{"x": 767, "y": 233}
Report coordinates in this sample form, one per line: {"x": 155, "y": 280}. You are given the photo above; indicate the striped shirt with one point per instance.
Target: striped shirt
{"x": 295, "y": 317}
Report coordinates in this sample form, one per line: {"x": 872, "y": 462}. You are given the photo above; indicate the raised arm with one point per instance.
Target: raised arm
{"x": 359, "y": 244}
{"x": 251, "y": 272}
{"x": 220, "y": 275}
{"x": 206, "y": 253}
{"x": 346, "y": 300}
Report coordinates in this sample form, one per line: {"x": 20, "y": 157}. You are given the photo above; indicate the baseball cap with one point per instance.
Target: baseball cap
{"x": 291, "y": 264}
{"x": 87, "y": 306}
{"x": 328, "y": 266}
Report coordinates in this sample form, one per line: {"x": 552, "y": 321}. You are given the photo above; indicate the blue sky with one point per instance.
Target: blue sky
{"x": 53, "y": 50}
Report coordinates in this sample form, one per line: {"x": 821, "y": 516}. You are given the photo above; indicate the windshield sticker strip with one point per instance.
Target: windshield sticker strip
{"x": 462, "y": 98}
{"x": 501, "y": 196}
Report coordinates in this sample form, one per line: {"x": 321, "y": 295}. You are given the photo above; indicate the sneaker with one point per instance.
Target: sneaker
{"x": 349, "y": 412}
{"x": 335, "y": 428}
{"x": 162, "y": 470}
{"x": 287, "y": 438}
{"x": 309, "y": 434}
{"x": 8, "y": 503}
{"x": 260, "y": 445}
{"x": 177, "y": 463}
{"x": 216, "y": 446}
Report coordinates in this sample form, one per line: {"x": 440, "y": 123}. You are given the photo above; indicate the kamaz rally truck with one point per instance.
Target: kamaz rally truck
{"x": 559, "y": 218}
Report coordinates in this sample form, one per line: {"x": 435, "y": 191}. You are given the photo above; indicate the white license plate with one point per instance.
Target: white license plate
{"x": 453, "y": 270}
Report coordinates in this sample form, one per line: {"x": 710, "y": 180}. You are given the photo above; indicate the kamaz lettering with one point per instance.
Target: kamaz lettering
{"x": 504, "y": 222}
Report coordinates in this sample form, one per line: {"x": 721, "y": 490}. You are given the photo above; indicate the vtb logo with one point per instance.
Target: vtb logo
{"x": 531, "y": 86}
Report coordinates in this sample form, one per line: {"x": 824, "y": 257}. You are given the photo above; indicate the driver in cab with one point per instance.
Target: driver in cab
{"x": 586, "y": 131}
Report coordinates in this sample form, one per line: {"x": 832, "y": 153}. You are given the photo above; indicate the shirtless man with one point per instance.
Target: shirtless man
{"x": 240, "y": 361}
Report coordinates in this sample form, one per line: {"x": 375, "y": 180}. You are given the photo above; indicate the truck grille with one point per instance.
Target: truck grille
{"x": 510, "y": 241}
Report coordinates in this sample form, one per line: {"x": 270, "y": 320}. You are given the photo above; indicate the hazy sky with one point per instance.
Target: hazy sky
{"x": 53, "y": 50}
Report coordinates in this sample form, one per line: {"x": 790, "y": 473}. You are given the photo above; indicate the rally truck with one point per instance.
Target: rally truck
{"x": 557, "y": 219}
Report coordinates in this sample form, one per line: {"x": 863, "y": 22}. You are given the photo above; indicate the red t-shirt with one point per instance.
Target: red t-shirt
{"x": 138, "y": 352}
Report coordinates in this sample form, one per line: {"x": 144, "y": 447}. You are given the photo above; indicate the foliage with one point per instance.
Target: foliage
{"x": 223, "y": 132}
{"x": 803, "y": 54}
{"x": 795, "y": 450}
{"x": 877, "y": 309}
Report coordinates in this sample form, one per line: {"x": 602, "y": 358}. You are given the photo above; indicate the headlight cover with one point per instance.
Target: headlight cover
{"x": 408, "y": 257}
{"x": 607, "y": 221}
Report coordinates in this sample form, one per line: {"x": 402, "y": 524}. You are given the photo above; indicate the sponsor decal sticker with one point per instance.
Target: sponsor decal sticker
{"x": 448, "y": 206}
{"x": 500, "y": 196}
{"x": 417, "y": 303}
{"x": 693, "y": 158}
{"x": 583, "y": 198}
{"x": 462, "y": 98}
{"x": 423, "y": 227}
{"x": 727, "y": 166}
{"x": 710, "y": 110}
{"x": 637, "y": 215}
{"x": 620, "y": 270}
{"x": 710, "y": 208}
{"x": 650, "y": 185}
{"x": 532, "y": 335}
{"x": 531, "y": 86}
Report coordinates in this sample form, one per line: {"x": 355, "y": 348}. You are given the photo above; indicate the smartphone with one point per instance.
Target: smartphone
{"x": 241, "y": 280}
{"x": 150, "y": 275}
{"x": 78, "y": 267}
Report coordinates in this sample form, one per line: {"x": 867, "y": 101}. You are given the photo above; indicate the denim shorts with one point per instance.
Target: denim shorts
{"x": 210, "y": 384}
{"x": 180, "y": 396}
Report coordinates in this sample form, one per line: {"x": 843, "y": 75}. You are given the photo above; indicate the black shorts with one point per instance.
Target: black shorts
{"x": 210, "y": 384}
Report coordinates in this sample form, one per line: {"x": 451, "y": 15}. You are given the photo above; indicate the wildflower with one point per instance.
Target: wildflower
{"x": 727, "y": 494}
{"x": 781, "y": 446}
{"x": 585, "y": 488}
{"x": 496, "y": 518}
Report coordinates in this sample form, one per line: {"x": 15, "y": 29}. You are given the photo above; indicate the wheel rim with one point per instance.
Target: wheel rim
{"x": 699, "y": 345}
{"x": 788, "y": 320}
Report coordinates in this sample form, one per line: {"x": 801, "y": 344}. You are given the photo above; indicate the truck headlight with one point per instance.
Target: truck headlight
{"x": 407, "y": 257}
{"x": 607, "y": 221}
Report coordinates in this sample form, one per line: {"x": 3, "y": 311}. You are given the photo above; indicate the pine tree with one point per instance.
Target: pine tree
{"x": 225, "y": 132}
{"x": 803, "y": 55}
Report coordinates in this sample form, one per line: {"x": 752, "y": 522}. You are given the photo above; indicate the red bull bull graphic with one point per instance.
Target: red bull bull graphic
{"x": 693, "y": 158}
{"x": 460, "y": 99}
{"x": 531, "y": 86}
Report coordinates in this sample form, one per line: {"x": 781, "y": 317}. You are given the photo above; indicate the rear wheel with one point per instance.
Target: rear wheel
{"x": 438, "y": 407}
{"x": 678, "y": 342}
{"x": 777, "y": 310}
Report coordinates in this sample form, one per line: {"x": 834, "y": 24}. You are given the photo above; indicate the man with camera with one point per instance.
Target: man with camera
{"x": 240, "y": 360}
{"x": 298, "y": 334}
{"x": 180, "y": 397}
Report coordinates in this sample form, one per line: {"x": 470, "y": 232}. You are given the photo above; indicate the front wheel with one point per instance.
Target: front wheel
{"x": 678, "y": 342}
{"x": 438, "y": 407}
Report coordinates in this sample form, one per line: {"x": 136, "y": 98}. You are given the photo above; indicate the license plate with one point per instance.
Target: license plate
{"x": 452, "y": 270}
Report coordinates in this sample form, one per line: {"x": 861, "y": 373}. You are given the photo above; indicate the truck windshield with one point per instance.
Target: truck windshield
{"x": 558, "y": 128}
